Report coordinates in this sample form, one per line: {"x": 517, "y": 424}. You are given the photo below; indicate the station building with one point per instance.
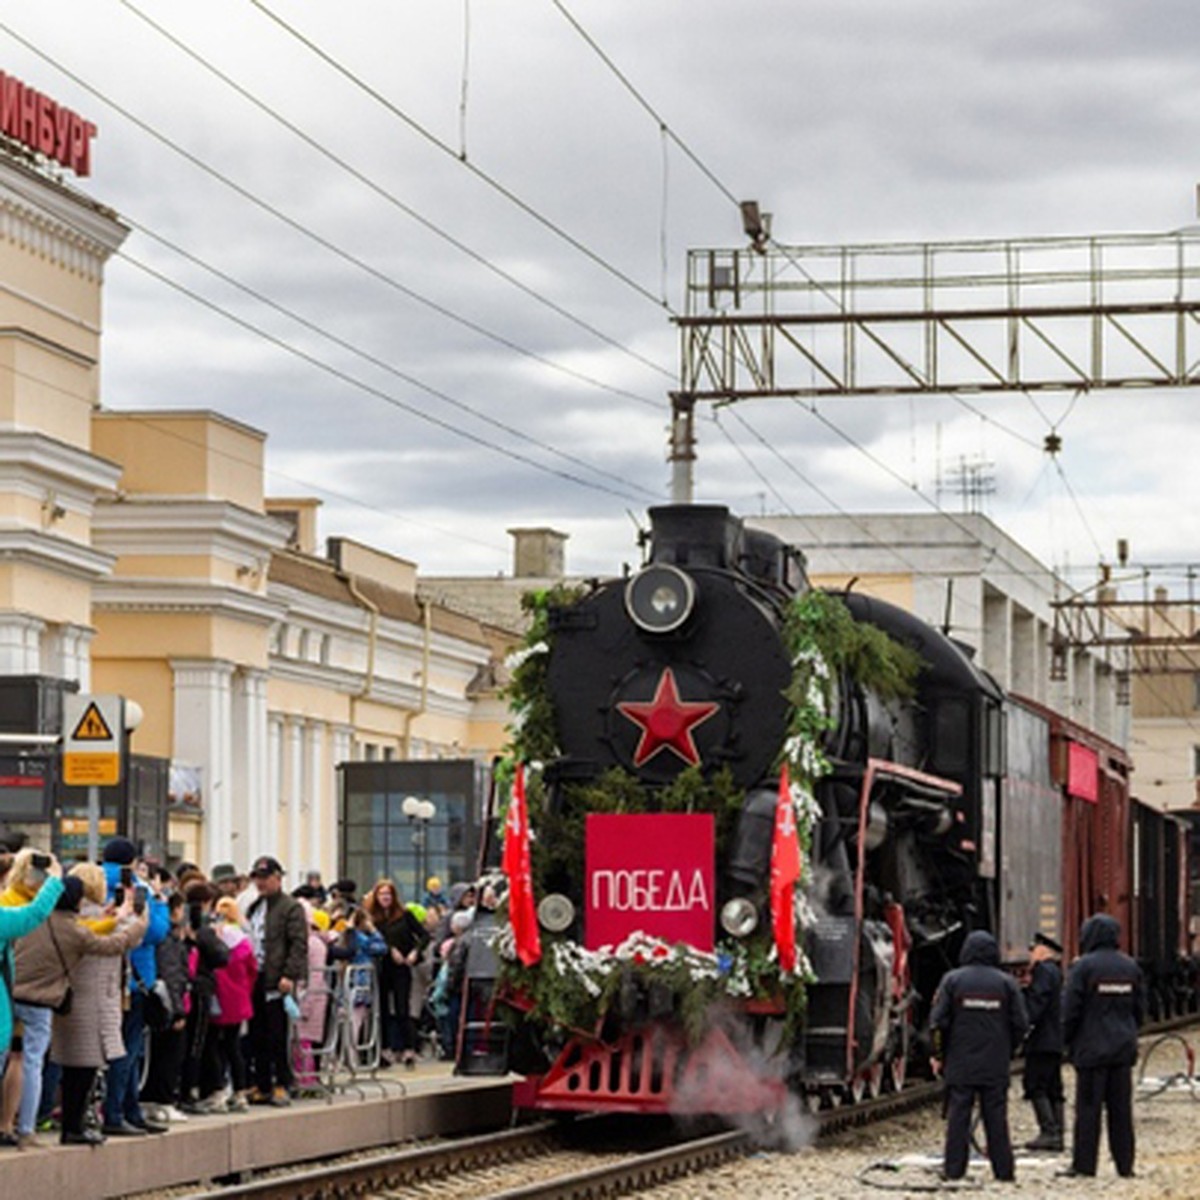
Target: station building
{"x": 140, "y": 556}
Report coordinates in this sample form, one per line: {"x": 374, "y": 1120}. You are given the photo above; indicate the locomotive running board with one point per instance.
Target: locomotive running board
{"x": 651, "y": 1071}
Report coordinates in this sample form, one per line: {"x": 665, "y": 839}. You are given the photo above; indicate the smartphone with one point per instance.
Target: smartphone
{"x": 139, "y": 901}
{"x": 41, "y": 862}
{"x": 126, "y": 877}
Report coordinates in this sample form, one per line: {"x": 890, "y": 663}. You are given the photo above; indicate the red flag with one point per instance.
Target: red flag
{"x": 516, "y": 866}
{"x": 785, "y": 873}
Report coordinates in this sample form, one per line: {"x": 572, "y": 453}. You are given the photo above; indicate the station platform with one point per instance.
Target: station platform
{"x": 400, "y": 1106}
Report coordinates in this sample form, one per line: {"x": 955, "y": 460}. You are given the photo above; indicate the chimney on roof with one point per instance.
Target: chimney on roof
{"x": 538, "y": 553}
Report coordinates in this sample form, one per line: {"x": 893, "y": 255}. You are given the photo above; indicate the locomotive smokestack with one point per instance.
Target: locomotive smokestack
{"x": 694, "y": 535}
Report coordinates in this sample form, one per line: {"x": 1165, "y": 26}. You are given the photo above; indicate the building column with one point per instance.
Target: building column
{"x": 314, "y": 787}
{"x": 66, "y": 653}
{"x": 20, "y": 644}
{"x": 293, "y": 735}
{"x": 204, "y": 738}
{"x": 276, "y": 798}
{"x": 252, "y": 812}
{"x": 342, "y": 750}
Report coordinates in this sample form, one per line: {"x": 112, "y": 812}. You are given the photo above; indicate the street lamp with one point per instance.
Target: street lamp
{"x": 419, "y": 814}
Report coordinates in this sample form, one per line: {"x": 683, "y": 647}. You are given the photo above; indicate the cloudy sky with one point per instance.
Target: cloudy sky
{"x": 433, "y": 247}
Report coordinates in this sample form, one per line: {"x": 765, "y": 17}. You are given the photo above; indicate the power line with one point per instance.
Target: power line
{"x": 326, "y": 244}
{"x": 375, "y": 361}
{"x": 434, "y": 140}
{"x": 306, "y": 484}
{"x": 645, "y": 104}
{"x": 371, "y": 390}
{"x": 404, "y": 376}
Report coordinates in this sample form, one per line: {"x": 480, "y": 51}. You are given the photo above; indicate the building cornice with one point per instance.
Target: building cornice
{"x": 49, "y": 219}
{"x": 66, "y": 465}
{"x": 133, "y": 525}
{"x": 332, "y": 616}
{"x": 39, "y": 549}
{"x": 129, "y": 594}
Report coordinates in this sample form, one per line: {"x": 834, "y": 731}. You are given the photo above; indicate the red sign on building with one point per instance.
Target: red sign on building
{"x": 35, "y": 120}
{"x": 653, "y": 873}
{"x": 1083, "y": 772}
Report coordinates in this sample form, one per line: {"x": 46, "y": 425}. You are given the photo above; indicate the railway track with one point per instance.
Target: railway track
{"x": 569, "y": 1160}
{"x": 552, "y": 1159}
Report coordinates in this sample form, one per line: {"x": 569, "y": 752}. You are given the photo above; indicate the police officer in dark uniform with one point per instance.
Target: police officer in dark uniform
{"x": 1104, "y": 1003}
{"x": 978, "y": 1020}
{"x": 1044, "y": 1045}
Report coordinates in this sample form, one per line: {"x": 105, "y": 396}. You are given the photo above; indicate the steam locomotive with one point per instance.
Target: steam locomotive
{"x": 667, "y": 702}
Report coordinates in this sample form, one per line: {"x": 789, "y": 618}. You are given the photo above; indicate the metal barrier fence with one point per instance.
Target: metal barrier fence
{"x": 337, "y": 1043}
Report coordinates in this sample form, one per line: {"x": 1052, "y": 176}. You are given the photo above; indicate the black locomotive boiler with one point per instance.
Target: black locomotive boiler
{"x": 661, "y": 706}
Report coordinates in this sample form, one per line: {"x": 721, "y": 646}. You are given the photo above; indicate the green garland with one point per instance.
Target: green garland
{"x": 573, "y": 987}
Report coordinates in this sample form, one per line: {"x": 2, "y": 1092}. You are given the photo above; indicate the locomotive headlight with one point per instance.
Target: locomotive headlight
{"x": 660, "y": 598}
{"x": 556, "y": 913}
{"x": 739, "y": 917}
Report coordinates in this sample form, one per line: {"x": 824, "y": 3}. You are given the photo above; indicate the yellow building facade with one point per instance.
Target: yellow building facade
{"x": 139, "y": 555}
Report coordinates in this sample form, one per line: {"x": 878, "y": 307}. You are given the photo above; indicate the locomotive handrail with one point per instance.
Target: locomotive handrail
{"x": 877, "y": 768}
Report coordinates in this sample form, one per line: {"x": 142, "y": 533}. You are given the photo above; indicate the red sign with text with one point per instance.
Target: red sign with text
{"x": 42, "y": 124}
{"x": 653, "y": 873}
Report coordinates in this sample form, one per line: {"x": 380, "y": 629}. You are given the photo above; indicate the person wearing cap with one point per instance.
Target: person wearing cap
{"x": 1104, "y": 1004}
{"x": 279, "y": 929}
{"x": 1044, "y": 1043}
{"x": 224, "y": 877}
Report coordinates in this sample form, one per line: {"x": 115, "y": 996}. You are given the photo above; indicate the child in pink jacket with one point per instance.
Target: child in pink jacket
{"x": 234, "y": 1001}
{"x": 314, "y": 1002}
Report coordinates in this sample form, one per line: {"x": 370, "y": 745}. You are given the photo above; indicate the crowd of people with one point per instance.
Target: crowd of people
{"x": 133, "y": 997}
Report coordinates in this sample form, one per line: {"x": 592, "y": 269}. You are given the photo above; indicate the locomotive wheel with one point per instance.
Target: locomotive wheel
{"x": 857, "y": 1090}
{"x": 875, "y": 1078}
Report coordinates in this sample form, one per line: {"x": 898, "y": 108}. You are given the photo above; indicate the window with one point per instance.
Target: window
{"x": 1196, "y": 761}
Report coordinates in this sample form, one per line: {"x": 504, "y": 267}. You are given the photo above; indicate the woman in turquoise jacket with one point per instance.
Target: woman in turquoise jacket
{"x": 15, "y": 923}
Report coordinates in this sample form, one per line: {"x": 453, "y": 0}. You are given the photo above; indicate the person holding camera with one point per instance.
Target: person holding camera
{"x": 123, "y": 1115}
{"x": 72, "y": 973}
{"x": 34, "y": 885}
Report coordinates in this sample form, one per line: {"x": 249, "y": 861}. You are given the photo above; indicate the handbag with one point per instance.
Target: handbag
{"x": 63, "y": 1007}
{"x": 155, "y": 1010}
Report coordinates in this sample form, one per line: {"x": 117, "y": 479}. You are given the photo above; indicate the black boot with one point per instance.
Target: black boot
{"x": 1050, "y": 1133}
{"x": 1060, "y": 1123}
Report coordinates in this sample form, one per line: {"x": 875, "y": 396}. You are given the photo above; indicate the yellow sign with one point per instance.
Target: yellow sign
{"x": 79, "y": 825}
{"x": 91, "y": 770}
{"x": 92, "y": 727}
{"x": 93, "y": 733}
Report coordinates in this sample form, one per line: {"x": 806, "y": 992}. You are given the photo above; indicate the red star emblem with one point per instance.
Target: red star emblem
{"x": 667, "y": 722}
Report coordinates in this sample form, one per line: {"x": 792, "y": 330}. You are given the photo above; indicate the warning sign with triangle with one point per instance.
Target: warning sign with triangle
{"x": 92, "y": 726}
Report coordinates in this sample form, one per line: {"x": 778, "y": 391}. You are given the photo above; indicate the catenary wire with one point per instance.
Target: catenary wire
{"x": 369, "y": 389}
{"x": 729, "y": 195}
{"x": 326, "y": 244}
{"x": 308, "y": 484}
{"x": 396, "y": 372}
{"x": 480, "y": 174}
{"x": 392, "y": 370}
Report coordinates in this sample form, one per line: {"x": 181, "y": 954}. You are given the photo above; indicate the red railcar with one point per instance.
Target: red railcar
{"x": 1086, "y": 778}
